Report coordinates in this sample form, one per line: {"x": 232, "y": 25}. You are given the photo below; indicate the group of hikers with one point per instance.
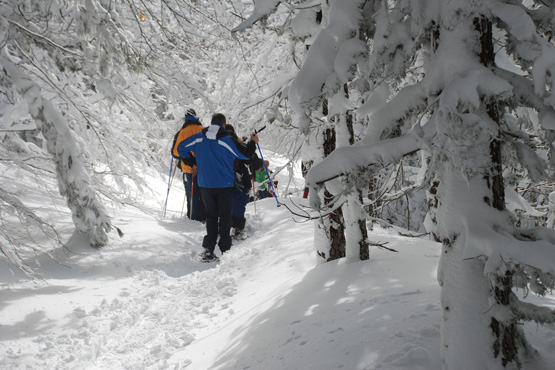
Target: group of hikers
{"x": 219, "y": 169}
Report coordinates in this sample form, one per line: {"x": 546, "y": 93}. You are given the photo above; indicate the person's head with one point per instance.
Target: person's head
{"x": 219, "y": 119}
{"x": 191, "y": 115}
{"x": 267, "y": 162}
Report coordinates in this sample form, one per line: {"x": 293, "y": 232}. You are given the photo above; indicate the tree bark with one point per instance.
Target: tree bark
{"x": 356, "y": 232}
{"x": 336, "y": 229}
{"x": 505, "y": 331}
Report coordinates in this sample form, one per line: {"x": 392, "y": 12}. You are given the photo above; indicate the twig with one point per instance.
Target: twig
{"x": 409, "y": 235}
{"x": 382, "y": 245}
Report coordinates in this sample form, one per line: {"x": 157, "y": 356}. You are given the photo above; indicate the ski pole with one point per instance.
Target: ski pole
{"x": 185, "y": 196}
{"x": 267, "y": 172}
{"x": 253, "y": 194}
{"x": 192, "y": 193}
{"x": 169, "y": 186}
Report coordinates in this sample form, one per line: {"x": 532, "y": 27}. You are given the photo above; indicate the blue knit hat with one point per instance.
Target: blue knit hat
{"x": 191, "y": 115}
{"x": 191, "y": 118}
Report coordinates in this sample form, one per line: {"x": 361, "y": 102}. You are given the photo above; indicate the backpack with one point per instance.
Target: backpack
{"x": 180, "y": 136}
{"x": 242, "y": 176}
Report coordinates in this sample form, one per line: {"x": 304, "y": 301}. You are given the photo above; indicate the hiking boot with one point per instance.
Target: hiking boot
{"x": 207, "y": 256}
{"x": 239, "y": 234}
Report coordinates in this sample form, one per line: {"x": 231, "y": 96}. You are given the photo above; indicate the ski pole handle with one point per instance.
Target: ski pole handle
{"x": 257, "y": 131}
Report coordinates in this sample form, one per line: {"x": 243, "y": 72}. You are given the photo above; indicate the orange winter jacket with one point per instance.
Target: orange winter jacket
{"x": 189, "y": 129}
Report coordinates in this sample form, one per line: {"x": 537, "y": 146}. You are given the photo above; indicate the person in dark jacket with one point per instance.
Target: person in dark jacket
{"x": 215, "y": 155}
{"x": 191, "y": 126}
{"x": 242, "y": 184}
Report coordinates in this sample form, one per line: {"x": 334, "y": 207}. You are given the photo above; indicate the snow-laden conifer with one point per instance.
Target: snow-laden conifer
{"x": 463, "y": 105}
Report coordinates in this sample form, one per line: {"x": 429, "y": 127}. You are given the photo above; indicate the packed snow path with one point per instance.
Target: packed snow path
{"x": 143, "y": 298}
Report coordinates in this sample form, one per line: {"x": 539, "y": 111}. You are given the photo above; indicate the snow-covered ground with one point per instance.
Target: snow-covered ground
{"x": 143, "y": 302}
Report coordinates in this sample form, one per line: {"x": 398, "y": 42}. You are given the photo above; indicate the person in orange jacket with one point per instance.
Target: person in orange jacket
{"x": 191, "y": 126}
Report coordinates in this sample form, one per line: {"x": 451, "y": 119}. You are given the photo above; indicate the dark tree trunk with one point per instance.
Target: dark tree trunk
{"x": 337, "y": 224}
{"x": 432, "y": 193}
{"x": 505, "y": 331}
{"x": 364, "y": 249}
{"x": 349, "y": 118}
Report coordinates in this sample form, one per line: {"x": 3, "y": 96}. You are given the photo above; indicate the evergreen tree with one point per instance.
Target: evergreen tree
{"x": 464, "y": 106}
{"x": 460, "y": 112}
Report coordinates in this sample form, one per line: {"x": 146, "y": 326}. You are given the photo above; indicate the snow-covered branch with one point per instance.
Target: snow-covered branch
{"x": 262, "y": 8}
{"x": 509, "y": 248}
{"x": 11, "y": 243}
{"x": 530, "y": 312}
{"x": 410, "y": 101}
{"x": 43, "y": 38}
{"x": 351, "y": 159}
{"x": 74, "y": 183}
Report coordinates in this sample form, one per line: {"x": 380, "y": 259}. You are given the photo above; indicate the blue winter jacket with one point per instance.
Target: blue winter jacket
{"x": 215, "y": 155}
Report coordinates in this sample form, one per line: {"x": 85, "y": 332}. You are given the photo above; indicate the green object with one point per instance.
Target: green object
{"x": 261, "y": 177}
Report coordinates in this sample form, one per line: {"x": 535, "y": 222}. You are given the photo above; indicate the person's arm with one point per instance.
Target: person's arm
{"x": 174, "y": 146}
{"x": 232, "y": 149}
{"x": 251, "y": 145}
{"x": 190, "y": 161}
{"x": 185, "y": 149}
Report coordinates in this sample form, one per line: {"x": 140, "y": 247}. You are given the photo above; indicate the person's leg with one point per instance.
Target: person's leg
{"x": 187, "y": 183}
{"x": 225, "y": 204}
{"x": 240, "y": 200}
{"x": 197, "y": 207}
{"x": 236, "y": 207}
{"x": 210, "y": 200}
{"x": 202, "y": 211}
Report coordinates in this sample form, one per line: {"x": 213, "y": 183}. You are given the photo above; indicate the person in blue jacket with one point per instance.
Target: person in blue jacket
{"x": 214, "y": 154}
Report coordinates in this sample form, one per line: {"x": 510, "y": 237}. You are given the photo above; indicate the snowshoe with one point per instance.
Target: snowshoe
{"x": 208, "y": 256}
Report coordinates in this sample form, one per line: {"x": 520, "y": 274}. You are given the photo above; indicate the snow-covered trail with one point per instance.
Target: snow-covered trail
{"x": 164, "y": 309}
{"x": 136, "y": 302}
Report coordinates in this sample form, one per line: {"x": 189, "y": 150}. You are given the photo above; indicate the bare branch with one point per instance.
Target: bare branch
{"x": 381, "y": 245}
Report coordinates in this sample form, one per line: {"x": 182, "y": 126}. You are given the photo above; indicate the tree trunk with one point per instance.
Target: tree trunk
{"x": 473, "y": 327}
{"x": 330, "y": 231}
{"x": 465, "y": 290}
{"x": 336, "y": 226}
{"x": 356, "y": 232}
{"x": 505, "y": 331}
